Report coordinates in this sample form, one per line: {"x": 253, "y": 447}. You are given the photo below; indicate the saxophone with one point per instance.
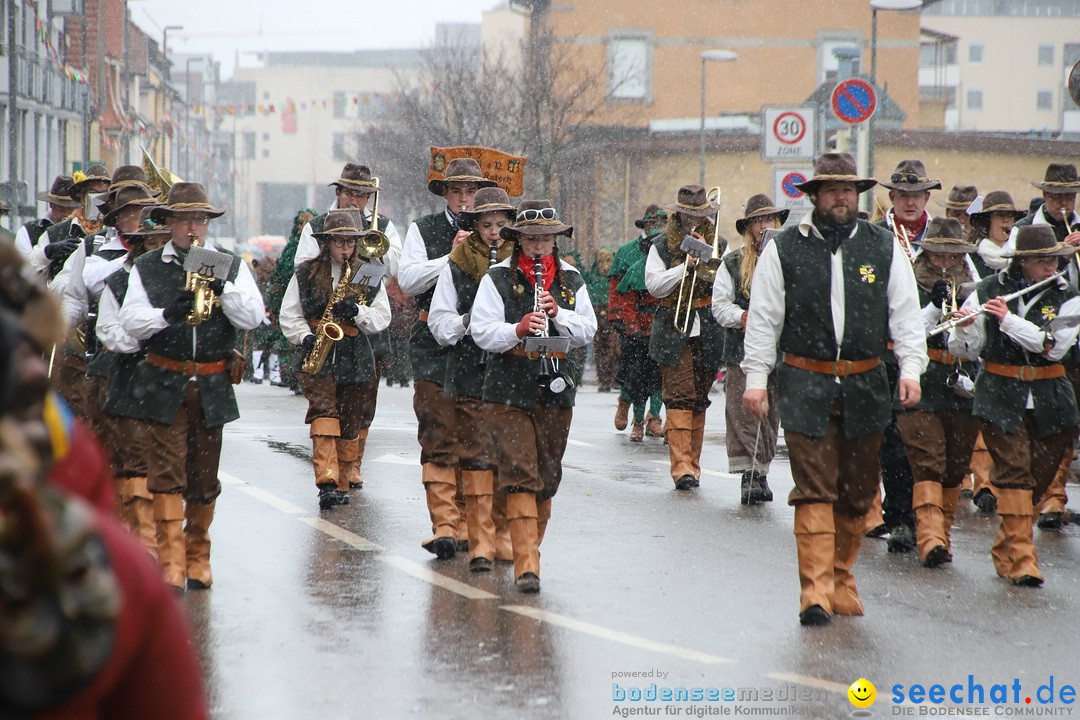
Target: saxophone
{"x": 204, "y": 296}
{"x": 327, "y": 332}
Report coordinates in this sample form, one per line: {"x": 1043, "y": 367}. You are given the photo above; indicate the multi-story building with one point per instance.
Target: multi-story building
{"x": 1005, "y": 66}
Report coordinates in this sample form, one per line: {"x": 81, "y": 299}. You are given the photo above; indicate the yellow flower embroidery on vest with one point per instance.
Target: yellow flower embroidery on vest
{"x": 867, "y": 273}
{"x": 1049, "y": 312}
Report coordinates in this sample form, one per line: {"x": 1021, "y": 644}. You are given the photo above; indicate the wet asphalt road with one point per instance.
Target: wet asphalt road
{"x": 341, "y": 614}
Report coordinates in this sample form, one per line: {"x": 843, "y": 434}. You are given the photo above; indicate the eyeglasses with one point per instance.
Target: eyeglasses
{"x": 343, "y": 242}
{"x": 531, "y": 214}
{"x": 910, "y": 178}
{"x": 344, "y": 192}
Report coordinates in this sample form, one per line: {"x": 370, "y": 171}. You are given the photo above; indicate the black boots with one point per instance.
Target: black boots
{"x": 755, "y": 488}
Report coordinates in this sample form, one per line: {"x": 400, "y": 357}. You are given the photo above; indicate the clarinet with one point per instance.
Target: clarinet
{"x": 493, "y": 256}
{"x": 544, "y": 378}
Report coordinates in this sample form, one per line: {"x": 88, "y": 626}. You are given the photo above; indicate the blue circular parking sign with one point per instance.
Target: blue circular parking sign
{"x": 854, "y": 101}
{"x": 790, "y": 181}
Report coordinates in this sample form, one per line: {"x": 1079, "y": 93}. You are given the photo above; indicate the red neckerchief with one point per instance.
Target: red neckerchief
{"x": 527, "y": 264}
{"x": 125, "y": 243}
{"x": 915, "y": 228}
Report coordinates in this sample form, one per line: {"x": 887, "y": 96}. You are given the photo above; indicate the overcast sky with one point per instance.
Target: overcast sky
{"x": 226, "y": 27}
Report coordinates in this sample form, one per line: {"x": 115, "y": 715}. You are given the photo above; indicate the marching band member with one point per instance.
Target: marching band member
{"x": 827, "y": 295}
{"x": 531, "y": 402}
{"x": 182, "y": 386}
{"x": 958, "y": 203}
{"x": 939, "y": 433}
{"x": 990, "y": 229}
{"x": 341, "y": 392}
{"x": 125, "y": 435}
{"x": 427, "y": 245}
{"x": 58, "y": 198}
{"x": 689, "y": 358}
{"x": 730, "y": 304}
{"x": 449, "y": 319}
{"x": 1023, "y": 396}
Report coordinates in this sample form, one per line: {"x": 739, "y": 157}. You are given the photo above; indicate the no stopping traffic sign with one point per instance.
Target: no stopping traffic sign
{"x": 854, "y": 101}
{"x": 788, "y": 183}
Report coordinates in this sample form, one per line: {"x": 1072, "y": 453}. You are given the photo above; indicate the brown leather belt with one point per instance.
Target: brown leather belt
{"x": 941, "y": 356}
{"x": 839, "y": 368}
{"x": 519, "y": 351}
{"x": 423, "y": 316}
{"x": 186, "y": 367}
{"x": 670, "y": 300}
{"x": 1025, "y": 373}
{"x": 889, "y": 345}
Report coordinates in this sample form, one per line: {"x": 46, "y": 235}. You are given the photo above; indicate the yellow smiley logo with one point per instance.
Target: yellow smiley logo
{"x": 862, "y": 693}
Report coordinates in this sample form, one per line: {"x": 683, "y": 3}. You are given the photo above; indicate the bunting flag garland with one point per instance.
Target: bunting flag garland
{"x": 54, "y": 56}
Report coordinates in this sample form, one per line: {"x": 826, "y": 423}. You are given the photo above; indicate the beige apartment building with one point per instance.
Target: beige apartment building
{"x": 1006, "y": 65}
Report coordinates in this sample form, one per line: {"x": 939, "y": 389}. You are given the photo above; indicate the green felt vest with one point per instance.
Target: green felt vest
{"x": 465, "y": 361}
{"x": 427, "y": 356}
{"x": 666, "y": 344}
{"x": 735, "y": 337}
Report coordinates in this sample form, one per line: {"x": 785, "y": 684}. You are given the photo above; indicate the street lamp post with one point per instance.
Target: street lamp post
{"x": 717, "y": 56}
{"x": 164, "y": 78}
{"x": 876, "y": 5}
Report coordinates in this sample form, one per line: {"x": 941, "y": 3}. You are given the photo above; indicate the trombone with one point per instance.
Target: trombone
{"x": 684, "y": 303}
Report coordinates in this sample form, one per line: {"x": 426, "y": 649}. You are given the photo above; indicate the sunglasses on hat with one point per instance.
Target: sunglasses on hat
{"x": 911, "y": 178}
{"x": 534, "y": 214}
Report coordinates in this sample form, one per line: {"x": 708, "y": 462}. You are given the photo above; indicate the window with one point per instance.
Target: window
{"x": 975, "y": 53}
{"x": 338, "y": 148}
{"x": 630, "y": 67}
{"x": 266, "y": 153}
{"x": 248, "y": 150}
{"x": 975, "y": 99}
{"x": 1044, "y": 100}
{"x": 266, "y": 137}
{"x": 1046, "y": 55}
{"x": 339, "y": 104}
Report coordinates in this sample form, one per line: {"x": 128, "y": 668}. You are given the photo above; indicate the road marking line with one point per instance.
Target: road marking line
{"x": 272, "y": 500}
{"x": 229, "y": 479}
{"x": 811, "y": 681}
{"x": 340, "y": 533}
{"x": 614, "y": 635}
{"x": 714, "y": 473}
{"x": 421, "y": 572}
{"x": 578, "y": 443}
{"x": 397, "y": 460}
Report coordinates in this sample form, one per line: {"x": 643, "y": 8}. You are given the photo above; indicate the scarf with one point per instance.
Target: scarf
{"x": 834, "y": 234}
{"x": 473, "y": 255}
{"x": 90, "y": 227}
{"x": 526, "y": 265}
{"x": 926, "y": 274}
{"x": 913, "y": 228}
{"x": 991, "y": 254}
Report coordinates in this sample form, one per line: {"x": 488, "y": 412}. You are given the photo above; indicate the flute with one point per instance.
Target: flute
{"x": 960, "y": 319}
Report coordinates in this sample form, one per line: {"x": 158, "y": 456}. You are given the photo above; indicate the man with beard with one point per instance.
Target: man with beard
{"x": 827, "y": 294}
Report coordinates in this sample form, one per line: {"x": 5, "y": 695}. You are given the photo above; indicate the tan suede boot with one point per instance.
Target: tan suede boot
{"x": 324, "y": 434}
{"x": 348, "y": 460}
{"x": 122, "y": 491}
{"x": 930, "y": 523}
{"x": 172, "y": 554}
{"x": 479, "y": 488}
{"x": 361, "y": 446}
{"x": 950, "y": 501}
{"x": 848, "y": 539}
{"x": 197, "y": 536}
{"x": 440, "y": 485}
{"x": 1015, "y": 509}
{"x": 521, "y": 515}
{"x": 141, "y": 508}
{"x": 815, "y": 540}
{"x": 1052, "y": 504}
{"x": 622, "y": 415}
{"x": 1000, "y": 553}
{"x": 875, "y": 520}
{"x": 697, "y": 442}
{"x": 980, "y": 465}
{"x": 461, "y": 530}
{"x": 504, "y": 552}
{"x": 543, "y": 514}
{"x": 680, "y": 448}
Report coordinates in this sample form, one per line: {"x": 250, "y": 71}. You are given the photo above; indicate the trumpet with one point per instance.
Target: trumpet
{"x": 204, "y": 296}
{"x": 327, "y": 332}
{"x": 956, "y": 320}
{"x": 1065, "y": 217}
{"x": 684, "y": 303}
{"x": 373, "y": 244}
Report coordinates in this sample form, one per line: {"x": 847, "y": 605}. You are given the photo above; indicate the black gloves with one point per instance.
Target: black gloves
{"x": 181, "y": 306}
{"x": 60, "y": 250}
{"x": 345, "y": 310}
{"x": 308, "y": 343}
{"x": 216, "y": 286}
{"x": 939, "y": 293}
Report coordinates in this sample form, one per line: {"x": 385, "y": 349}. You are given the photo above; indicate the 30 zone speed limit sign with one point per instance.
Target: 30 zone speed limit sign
{"x": 787, "y": 133}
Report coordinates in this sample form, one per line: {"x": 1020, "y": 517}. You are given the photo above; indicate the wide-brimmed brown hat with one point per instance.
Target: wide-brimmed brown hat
{"x": 945, "y": 235}
{"x": 184, "y": 198}
{"x": 693, "y": 200}
{"x": 653, "y": 213}
{"x": 460, "y": 170}
{"x": 147, "y": 226}
{"x": 960, "y": 197}
{"x": 1060, "y": 179}
{"x": 356, "y": 178}
{"x": 1037, "y": 241}
{"x": 756, "y": 207}
{"x": 341, "y": 223}
{"x": 59, "y": 193}
{"x": 489, "y": 199}
{"x": 138, "y": 195}
{"x": 910, "y": 176}
{"x": 128, "y": 176}
{"x": 536, "y": 217}
{"x": 995, "y": 202}
{"x": 836, "y": 167}
{"x": 94, "y": 173}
